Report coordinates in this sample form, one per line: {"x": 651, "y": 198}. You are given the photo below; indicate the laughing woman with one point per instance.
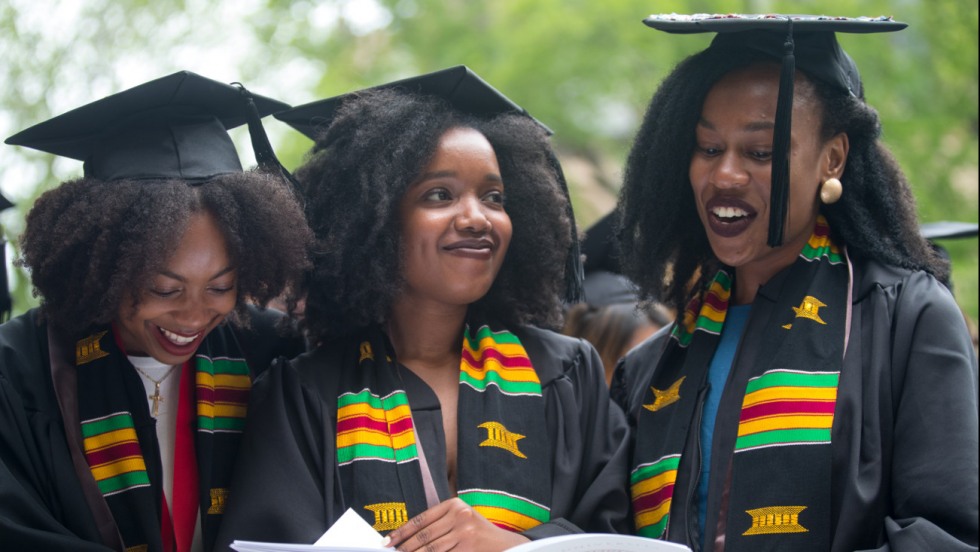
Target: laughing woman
{"x": 434, "y": 406}
{"x": 122, "y": 397}
{"x": 819, "y": 390}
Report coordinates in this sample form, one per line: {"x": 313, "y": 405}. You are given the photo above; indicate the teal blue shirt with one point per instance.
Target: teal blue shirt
{"x": 721, "y": 365}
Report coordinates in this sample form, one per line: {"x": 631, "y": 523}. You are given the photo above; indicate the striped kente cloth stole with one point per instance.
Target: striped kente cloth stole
{"x": 503, "y": 454}
{"x": 780, "y": 488}
{"x": 119, "y": 435}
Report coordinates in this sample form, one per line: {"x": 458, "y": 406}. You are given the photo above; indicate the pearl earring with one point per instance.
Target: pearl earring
{"x": 830, "y": 191}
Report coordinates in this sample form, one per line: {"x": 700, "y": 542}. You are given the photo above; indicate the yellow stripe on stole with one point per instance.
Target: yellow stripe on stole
{"x": 510, "y": 374}
{"x": 378, "y": 438}
{"x": 506, "y": 349}
{"x": 118, "y": 467}
{"x": 790, "y": 394}
{"x": 806, "y": 421}
{"x": 109, "y": 439}
{"x": 226, "y": 381}
{"x": 817, "y": 242}
{"x": 653, "y": 484}
{"x": 377, "y": 414}
{"x": 508, "y": 517}
{"x": 653, "y": 515}
{"x": 221, "y": 410}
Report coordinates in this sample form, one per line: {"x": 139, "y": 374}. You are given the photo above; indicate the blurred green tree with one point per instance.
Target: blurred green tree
{"x": 586, "y": 69}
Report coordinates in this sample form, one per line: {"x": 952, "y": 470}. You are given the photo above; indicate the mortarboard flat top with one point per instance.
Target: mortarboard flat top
{"x": 458, "y": 85}
{"x": 171, "y": 127}
{"x": 948, "y": 230}
{"x": 720, "y": 23}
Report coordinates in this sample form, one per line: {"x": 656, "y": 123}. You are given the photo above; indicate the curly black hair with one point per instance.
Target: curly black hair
{"x": 875, "y": 217}
{"x": 91, "y": 244}
{"x": 355, "y": 177}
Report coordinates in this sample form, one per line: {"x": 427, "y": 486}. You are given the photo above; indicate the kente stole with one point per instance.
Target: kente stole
{"x": 119, "y": 435}
{"x": 503, "y": 454}
{"x": 780, "y": 488}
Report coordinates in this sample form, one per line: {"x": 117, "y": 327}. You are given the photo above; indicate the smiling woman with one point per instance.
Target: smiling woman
{"x": 802, "y": 395}
{"x": 435, "y": 405}
{"x": 123, "y": 396}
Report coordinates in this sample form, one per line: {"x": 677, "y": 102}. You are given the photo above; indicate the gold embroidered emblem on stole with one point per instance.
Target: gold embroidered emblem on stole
{"x": 810, "y": 308}
{"x": 218, "y": 499}
{"x": 776, "y": 519}
{"x": 138, "y": 548}
{"x": 388, "y": 515}
{"x": 366, "y": 352}
{"x": 88, "y": 349}
{"x": 667, "y": 397}
{"x": 498, "y": 436}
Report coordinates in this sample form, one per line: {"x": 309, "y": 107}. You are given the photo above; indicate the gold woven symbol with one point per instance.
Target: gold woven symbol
{"x": 138, "y": 548}
{"x": 88, "y": 349}
{"x": 667, "y": 397}
{"x": 809, "y": 309}
{"x": 366, "y": 352}
{"x": 388, "y": 516}
{"x": 776, "y": 519}
{"x": 498, "y": 436}
{"x": 218, "y": 498}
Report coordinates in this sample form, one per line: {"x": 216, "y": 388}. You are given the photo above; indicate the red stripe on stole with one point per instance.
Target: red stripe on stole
{"x": 113, "y": 453}
{"x": 400, "y": 426}
{"x": 230, "y": 395}
{"x": 366, "y": 422}
{"x": 204, "y": 394}
{"x": 361, "y": 422}
{"x": 777, "y": 408}
{"x": 821, "y": 230}
{"x": 506, "y": 361}
{"x": 717, "y": 303}
{"x": 222, "y": 394}
{"x": 654, "y": 499}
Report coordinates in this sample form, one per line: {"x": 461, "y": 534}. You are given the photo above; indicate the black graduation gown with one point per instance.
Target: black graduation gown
{"x": 42, "y": 502}
{"x": 286, "y": 485}
{"x": 905, "y": 432}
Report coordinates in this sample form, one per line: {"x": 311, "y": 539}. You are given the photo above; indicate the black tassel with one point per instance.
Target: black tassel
{"x": 6, "y": 304}
{"x": 779, "y": 193}
{"x": 265, "y": 156}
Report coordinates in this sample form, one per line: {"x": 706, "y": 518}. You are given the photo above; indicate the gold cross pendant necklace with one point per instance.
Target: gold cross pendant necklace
{"x": 156, "y": 397}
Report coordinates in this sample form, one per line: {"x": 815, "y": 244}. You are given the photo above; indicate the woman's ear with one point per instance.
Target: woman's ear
{"x": 835, "y": 155}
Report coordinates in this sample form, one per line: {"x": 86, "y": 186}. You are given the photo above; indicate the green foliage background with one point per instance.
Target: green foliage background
{"x": 584, "y": 68}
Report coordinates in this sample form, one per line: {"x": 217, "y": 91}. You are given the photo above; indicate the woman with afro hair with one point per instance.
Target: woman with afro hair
{"x": 436, "y": 405}
{"x": 805, "y": 397}
{"x": 123, "y": 396}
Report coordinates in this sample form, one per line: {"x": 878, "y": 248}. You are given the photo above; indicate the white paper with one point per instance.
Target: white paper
{"x": 351, "y": 530}
{"x": 350, "y": 533}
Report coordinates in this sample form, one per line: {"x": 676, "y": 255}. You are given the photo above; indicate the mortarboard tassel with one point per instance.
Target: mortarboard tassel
{"x": 779, "y": 192}
{"x": 265, "y": 156}
{"x": 6, "y": 304}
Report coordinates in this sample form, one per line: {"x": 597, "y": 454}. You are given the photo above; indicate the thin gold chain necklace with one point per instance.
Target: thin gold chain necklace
{"x": 156, "y": 397}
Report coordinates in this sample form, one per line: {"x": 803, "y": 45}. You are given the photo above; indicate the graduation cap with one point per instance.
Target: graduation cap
{"x": 172, "y": 127}
{"x": 946, "y": 230}
{"x": 599, "y": 245}
{"x": 467, "y": 93}
{"x": 807, "y": 42}
{"x": 604, "y": 282}
{"x": 458, "y": 85}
